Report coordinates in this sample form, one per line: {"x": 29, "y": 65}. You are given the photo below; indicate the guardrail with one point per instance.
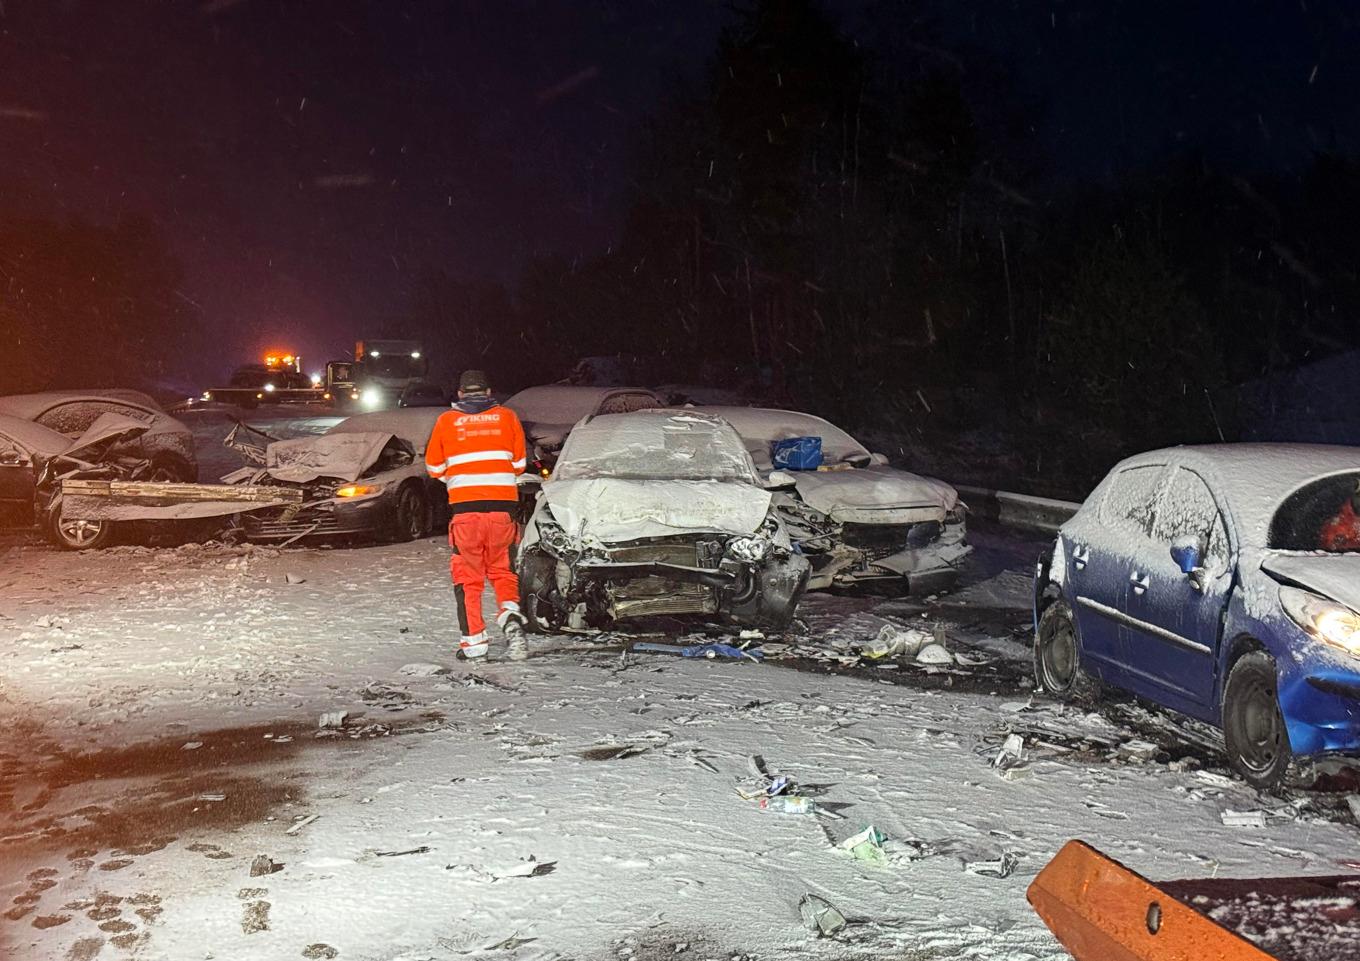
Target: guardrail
{"x": 1018, "y": 510}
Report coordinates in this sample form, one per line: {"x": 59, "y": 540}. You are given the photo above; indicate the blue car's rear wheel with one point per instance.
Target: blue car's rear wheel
{"x": 1253, "y": 728}
{"x": 1057, "y": 657}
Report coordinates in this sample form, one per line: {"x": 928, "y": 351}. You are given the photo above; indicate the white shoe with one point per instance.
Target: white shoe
{"x": 516, "y": 644}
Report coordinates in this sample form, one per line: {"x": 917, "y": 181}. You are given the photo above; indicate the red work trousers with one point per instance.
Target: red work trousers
{"x": 483, "y": 550}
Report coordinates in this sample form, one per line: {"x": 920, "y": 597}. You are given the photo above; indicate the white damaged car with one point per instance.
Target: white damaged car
{"x": 856, "y": 518}
{"x": 657, "y": 512}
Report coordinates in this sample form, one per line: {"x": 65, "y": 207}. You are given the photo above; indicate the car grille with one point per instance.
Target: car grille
{"x": 883, "y": 540}
{"x": 684, "y": 553}
{"x": 277, "y": 525}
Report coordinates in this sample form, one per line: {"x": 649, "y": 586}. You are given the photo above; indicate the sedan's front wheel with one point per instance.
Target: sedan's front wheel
{"x": 75, "y": 534}
{"x": 411, "y": 517}
{"x": 1057, "y": 658}
{"x": 1253, "y": 727}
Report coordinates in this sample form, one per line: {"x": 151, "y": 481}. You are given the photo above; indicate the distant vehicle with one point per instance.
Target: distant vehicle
{"x": 166, "y": 443}
{"x": 856, "y": 518}
{"x": 657, "y": 512}
{"x": 549, "y": 412}
{"x": 365, "y": 477}
{"x": 33, "y": 458}
{"x": 279, "y": 380}
{"x": 1222, "y": 582}
{"x": 423, "y": 394}
{"x": 381, "y": 370}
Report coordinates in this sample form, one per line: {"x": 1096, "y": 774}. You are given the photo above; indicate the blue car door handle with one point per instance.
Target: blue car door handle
{"x": 1139, "y": 582}
{"x": 1080, "y": 555}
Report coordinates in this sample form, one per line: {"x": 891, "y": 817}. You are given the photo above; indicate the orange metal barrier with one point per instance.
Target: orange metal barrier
{"x": 1102, "y": 911}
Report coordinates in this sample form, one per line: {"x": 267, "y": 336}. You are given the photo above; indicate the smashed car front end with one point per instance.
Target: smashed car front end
{"x": 753, "y": 580}
{"x": 877, "y": 523}
{"x": 329, "y": 509}
{"x": 924, "y": 547}
{"x": 349, "y": 484}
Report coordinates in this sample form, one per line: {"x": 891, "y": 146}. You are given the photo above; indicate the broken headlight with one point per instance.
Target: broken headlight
{"x": 555, "y": 539}
{"x": 752, "y": 549}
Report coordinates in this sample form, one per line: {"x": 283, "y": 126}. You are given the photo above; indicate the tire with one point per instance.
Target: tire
{"x": 411, "y": 516}
{"x": 78, "y": 535}
{"x": 167, "y": 467}
{"x": 1057, "y": 658}
{"x": 536, "y": 585}
{"x": 1253, "y": 727}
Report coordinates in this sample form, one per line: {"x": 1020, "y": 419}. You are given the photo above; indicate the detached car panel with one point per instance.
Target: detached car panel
{"x": 657, "y": 512}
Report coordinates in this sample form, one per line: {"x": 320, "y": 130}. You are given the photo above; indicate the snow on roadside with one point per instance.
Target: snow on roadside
{"x": 420, "y": 840}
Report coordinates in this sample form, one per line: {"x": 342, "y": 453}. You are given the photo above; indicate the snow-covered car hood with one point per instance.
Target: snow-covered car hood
{"x": 875, "y": 494}
{"x": 610, "y": 510}
{"x": 1333, "y": 575}
{"x": 342, "y": 456}
{"x": 106, "y": 427}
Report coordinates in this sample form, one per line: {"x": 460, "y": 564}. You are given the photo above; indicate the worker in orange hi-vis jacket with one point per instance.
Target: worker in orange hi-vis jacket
{"x": 477, "y": 450}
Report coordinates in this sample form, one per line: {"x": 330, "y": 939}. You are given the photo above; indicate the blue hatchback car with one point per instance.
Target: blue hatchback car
{"x": 1222, "y": 582}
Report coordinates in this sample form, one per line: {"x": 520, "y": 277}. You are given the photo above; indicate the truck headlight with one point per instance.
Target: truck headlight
{"x": 269, "y": 388}
{"x": 752, "y": 549}
{"x": 1328, "y": 621}
{"x": 372, "y": 398}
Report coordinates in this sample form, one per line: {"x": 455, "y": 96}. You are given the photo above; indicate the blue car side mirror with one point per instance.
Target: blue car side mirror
{"x": 1188, "y": 553}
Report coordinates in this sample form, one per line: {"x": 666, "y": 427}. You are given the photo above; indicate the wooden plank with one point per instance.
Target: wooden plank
{"x": 162, "y": 490}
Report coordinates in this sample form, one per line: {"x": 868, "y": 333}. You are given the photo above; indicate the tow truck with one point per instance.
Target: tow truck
{"x": 279, "y": 380}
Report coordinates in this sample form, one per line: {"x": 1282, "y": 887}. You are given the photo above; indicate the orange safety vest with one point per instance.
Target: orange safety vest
{"x": 477, "y": 455}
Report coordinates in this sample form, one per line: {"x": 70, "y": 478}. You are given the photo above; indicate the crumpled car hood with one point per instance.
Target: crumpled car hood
{"x": 106, "y": 427}
{"x": 1333, "y": 575}
{"x": 850, "y": 495}
{"x": 610, "y": 511}
{"x": 344, "y": 457}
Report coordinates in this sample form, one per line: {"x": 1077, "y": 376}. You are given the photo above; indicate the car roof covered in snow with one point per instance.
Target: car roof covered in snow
{"x": 565, "y": 403}
{"x": 760, "y": 427}
{"x": 412, "y": 424}
{"x": 1252, "y": 479}
{"x": 34, "y": 406}
{"x": 34, "y": 438}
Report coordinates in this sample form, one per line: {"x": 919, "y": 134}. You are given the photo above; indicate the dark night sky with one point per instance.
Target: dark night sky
{"x": 307, "y": 159}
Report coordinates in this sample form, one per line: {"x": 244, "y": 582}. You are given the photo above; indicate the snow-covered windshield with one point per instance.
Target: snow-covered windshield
{"x": 760, "y": 427}
{"x": 655, "y": 445}
{"x": 1322, "y": 515}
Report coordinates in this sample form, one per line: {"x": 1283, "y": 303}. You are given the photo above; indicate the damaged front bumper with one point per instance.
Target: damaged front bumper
{"x": 663, "y": 579}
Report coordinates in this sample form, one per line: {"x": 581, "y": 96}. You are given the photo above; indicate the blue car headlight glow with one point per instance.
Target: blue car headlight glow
{"x": 1330, "y": 622}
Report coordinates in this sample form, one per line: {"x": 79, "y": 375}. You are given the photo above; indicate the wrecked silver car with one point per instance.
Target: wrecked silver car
{"x": 657, "y": 512}
{"x": 365, "y": 477}
{"x": 164, "y": 441}
{"x": 35, "y": 460}
{"x": 854, "y": 517}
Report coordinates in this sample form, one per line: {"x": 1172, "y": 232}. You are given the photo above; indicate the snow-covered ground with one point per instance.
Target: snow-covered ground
{"x": 160, "y": 715}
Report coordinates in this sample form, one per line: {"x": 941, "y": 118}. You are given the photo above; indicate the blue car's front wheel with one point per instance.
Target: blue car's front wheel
{"x": 1253, "y": 728}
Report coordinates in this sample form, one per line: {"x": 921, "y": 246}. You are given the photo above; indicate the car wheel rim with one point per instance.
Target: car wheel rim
{"x": 81, "y": 533}
{"x": 1060, "y": 656}
{"x": 1259, "y": 727}
{"x": 410, "y": 512}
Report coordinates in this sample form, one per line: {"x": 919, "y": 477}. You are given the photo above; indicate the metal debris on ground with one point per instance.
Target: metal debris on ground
{"x": 820, "y": 916}
{"x": 302, "y": 823}
{"x": 1244, "y": 819}
{"x": 262, "y": 865}
{"x": 423, "y": 849}
{"x": 1002, "y": 867}
{"x": 531, "y": 868}
{"x": 333, "y": 719}
{"x": 893, "y": 641}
